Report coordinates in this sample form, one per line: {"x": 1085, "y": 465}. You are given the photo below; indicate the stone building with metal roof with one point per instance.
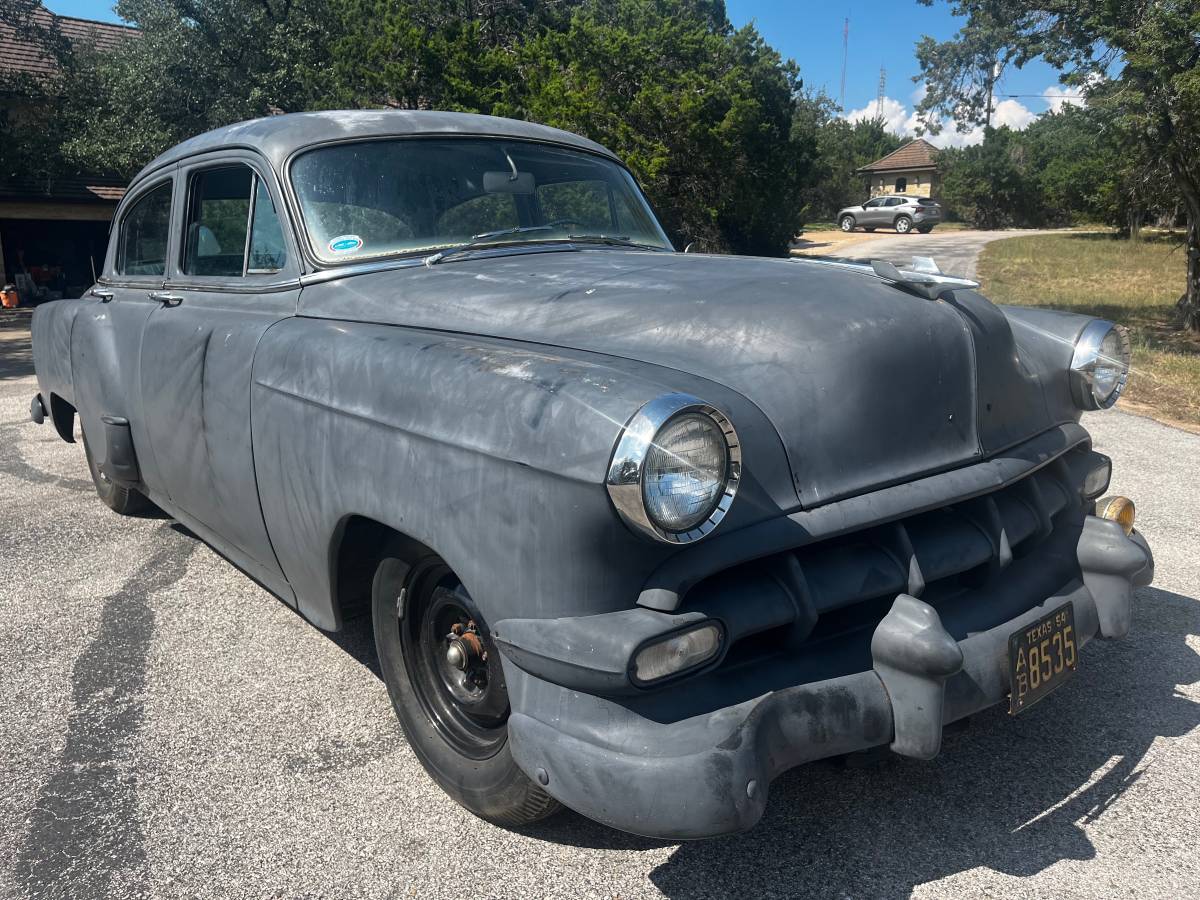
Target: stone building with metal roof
{"x": 911, "y": 170}
{"x": 51, "y": 227}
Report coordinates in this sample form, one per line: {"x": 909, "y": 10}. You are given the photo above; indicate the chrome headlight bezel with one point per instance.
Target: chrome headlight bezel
{"x": 1087, "y": 356}
{"x": 627, "y": 467}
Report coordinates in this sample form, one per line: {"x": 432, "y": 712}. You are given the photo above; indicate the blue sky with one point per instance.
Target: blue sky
{"x": 882, "y": 32}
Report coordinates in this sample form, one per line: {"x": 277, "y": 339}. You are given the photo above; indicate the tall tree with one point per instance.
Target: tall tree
{"x": 1139, "y": 59}
{"x": 197, "y": 64}
{"x": 701, "y": 112}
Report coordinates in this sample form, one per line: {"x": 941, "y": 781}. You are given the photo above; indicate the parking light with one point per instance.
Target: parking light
{"x": 677, "y": 653}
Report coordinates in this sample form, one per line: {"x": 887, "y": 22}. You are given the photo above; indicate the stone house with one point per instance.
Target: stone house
{"x": 910, "y": 170}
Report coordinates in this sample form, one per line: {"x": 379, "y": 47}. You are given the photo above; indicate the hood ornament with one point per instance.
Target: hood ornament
{"x": 922, "y": 277}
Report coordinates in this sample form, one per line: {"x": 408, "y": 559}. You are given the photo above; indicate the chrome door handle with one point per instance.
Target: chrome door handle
{"x": 102, "y": 294}
{"x": 166, "y": 298}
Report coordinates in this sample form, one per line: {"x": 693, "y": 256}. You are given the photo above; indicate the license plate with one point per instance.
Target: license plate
{"x": 1041, "y": 656}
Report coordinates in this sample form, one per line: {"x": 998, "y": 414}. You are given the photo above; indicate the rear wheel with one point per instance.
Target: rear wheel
{"x": 847, "y": 223}
{"x": 444, "y": 676}
{"x": 126, "y": 501}
{"x": 925, "y": 229}
{"x": 869, "y": 228}
{"x": 903, "y": 224}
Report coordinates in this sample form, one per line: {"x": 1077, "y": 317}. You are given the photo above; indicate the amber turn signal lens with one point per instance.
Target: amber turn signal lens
{"x": 1119, "y": 509}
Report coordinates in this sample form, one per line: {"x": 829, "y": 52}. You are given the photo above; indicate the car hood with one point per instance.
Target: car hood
{"x": 865, "y": 383}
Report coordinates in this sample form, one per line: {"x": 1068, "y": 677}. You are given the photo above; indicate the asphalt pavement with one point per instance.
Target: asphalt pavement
{"x": 168, "y": 729}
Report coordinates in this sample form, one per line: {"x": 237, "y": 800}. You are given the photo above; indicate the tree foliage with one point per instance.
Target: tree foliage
{"x": 1137, "y": 61}
{"x": 700, "y": 111}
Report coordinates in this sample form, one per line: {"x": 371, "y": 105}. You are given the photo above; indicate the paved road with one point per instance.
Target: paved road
{"x": 955, "y": 252}
{"x": 168, "y": 729}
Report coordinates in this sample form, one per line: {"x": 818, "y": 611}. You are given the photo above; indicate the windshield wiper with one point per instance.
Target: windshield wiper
{"x": 479, "y": 240}
{"x": 616, "y": 240}
{"x": 490, "y": 237}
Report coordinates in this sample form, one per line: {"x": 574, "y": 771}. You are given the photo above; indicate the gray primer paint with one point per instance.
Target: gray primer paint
{"x": 474, "y": 406}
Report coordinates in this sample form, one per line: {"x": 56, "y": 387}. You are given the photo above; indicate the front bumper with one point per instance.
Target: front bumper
{"x": 655, "y": 770}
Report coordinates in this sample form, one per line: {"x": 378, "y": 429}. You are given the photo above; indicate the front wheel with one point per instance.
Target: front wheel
{"x": 903, "y": 225}
{"x": 847, "y": 223}
{"x": 444, "y": 676}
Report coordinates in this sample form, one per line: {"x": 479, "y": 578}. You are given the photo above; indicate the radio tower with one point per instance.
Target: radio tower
{"x": 845, "y": 55}
{"x": 879, "y": 99}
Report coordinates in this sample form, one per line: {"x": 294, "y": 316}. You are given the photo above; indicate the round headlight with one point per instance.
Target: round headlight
{"x": 1100, "y": 365}
{"x": 675, "y": 469}
{"x": 684, "y": 472}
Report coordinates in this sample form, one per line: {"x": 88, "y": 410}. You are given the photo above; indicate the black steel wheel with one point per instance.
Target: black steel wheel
{"x": 447, "y": 686}
{"x": 453, "y": 666}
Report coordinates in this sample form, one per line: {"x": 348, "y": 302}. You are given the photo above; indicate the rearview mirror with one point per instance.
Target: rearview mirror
{"x": 509, "y": 182}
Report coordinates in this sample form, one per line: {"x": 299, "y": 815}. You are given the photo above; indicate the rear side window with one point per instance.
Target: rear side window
{"x": 895, "y": 201}
{"x": 143, "y": 239}
{"x": 232, "y": 228}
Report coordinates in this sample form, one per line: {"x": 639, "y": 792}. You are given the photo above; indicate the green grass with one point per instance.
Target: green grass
{"x": 1135, "y": 283}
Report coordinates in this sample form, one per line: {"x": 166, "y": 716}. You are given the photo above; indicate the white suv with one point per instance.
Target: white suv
{"x": 892, "y": 211}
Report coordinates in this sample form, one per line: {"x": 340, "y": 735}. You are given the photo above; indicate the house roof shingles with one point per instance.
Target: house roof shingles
{"x": 917, "y": 154}
{"x": 17, "y": 54}
{"x": 65, "y": 188}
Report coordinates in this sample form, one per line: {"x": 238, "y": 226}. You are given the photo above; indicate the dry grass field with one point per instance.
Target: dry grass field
{"x": 1136, "y": 283}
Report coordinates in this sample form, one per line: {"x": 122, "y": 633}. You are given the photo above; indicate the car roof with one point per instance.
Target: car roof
{"x": 278, "y": 137}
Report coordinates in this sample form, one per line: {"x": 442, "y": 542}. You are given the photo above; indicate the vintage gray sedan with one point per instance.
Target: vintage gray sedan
{"x": 638, "y": 530}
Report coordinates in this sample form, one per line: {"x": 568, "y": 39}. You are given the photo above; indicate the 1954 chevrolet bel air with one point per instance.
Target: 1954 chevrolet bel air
{"x": 638, "y": 530}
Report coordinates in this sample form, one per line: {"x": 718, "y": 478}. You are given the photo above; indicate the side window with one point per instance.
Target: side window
{"x": 575, "y": 202}
{"x": 232, "y": 228}
{"x": 142, "y": 247}
{"x": 870, "y": 204}
{"x": 895, "y": 201}
{"x": 267, "y": 253}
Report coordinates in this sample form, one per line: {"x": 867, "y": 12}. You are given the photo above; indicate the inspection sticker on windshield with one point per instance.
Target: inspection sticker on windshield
{"x": 345, "y": 243}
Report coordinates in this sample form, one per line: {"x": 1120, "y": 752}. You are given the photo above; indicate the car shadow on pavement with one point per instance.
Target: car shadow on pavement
{"x": 1007, "y": 794}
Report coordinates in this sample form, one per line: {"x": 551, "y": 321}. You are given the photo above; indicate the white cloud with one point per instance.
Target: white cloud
{"x": 900, "y": 120}
{"x": 1058, "y": 97}
{"x": 896, "y": 116}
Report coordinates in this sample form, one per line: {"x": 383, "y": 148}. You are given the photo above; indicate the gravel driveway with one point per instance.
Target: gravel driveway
{"x": 169, "y": 729}
{"x": 955, "y": 252}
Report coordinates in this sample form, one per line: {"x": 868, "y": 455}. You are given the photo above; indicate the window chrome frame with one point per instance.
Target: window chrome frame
{"x": 627, "y": 467}
{"x": 1085, "y": 358}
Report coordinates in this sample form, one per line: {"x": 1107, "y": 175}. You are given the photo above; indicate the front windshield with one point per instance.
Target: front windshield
{"x": 416, "y": 195}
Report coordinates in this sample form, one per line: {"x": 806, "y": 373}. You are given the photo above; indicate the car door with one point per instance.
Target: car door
{"x": 873, "y": 212}
{"x": 107, "y": 334}
{"x": 234, "y": 274}
{"x": 891, "y": 209}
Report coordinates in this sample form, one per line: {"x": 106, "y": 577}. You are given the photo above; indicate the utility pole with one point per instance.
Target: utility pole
{"x": 879, "y": 98}
{"x": 845, "y": 56}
